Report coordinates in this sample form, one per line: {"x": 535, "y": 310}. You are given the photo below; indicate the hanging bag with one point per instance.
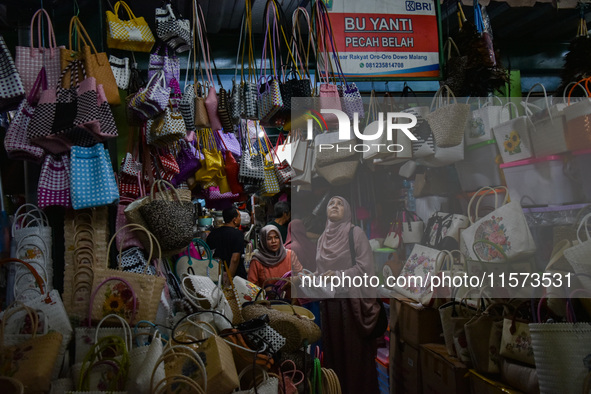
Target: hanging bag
{"x": 29, "y": 60}
{"x": 482, "y": 120}
{"x": 173, "y": 30}
{"x": 12, "y": 90}
{"x": 169, "y": 65}
{"x": 17, "y": 143}
{"x": 93, "y": 182}
{"x": 513, "y": 137}
{"x": 95, "y": 63}
{"x": 129, "y": 35}
{"x": 448, "y": 119}
{"x": 121, "y": 71}
{"x": 54, "y": 182}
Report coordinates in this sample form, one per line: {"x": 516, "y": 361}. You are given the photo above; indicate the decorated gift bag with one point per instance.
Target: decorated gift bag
{"x": 513, "y": 137}
{"x": 482, "y": 120}
{"x": 504, "y": 229}
{"x": 422, "y": 264}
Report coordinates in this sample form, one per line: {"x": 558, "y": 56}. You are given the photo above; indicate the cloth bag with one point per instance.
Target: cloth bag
{"x": 412, "y": 228}
{"x": 29, "y": 60}
{"x": 422, "y": 263}
{"x": 513, "y": 137}
{"x": 505, "y": 227}
{"x": 482, "y": 120}
{"x": 12, "y": 90}
{"x": 93, "y": 182}
{"x": 483, "y": 334}
{"x": 129, "y": 35}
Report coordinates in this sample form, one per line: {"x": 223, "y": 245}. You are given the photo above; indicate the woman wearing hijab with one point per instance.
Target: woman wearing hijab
{"x": 298, "y": 242}
{"x": 271, "y": 260}
{"x": 347, "y": 323}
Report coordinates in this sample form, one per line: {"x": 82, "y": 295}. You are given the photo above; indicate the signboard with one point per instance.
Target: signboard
{"x": 386, "y": 38}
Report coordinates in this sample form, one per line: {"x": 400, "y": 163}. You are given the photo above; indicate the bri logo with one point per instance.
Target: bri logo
{"x": 387, "y": 121}
{"x": 418, "y": 6}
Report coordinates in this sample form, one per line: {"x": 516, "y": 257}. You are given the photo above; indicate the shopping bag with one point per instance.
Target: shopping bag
{"x": 130, "y": 35}
{"x": 29, "y": 60}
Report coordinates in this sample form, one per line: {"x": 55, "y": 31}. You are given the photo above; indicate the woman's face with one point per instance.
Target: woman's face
{"x": 335, "y": 210}
{"x": 273, "y": 241}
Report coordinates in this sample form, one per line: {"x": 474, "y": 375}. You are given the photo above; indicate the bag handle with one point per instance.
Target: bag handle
{"x": 494, "y": 245}
{"x": 126, "y": 7}
{"x": 566, "y": 99}
{"x": 438, "y": 98}
{"x": 51, "y": 34}
{"x": 107, "y": 280}
{"x": 183, "y": 351}
{"x": 18, "y": 306}
{"x": 584, "y": 221}
{"x": 38, "y": 278}
{"x": 151, "y": 238}
{"x": 488, "y": 191}
{"x": 128, "y": 337}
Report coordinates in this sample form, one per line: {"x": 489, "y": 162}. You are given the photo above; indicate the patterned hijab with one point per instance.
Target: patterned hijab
{"x": 333, "y": 250}
{"x": 264, "y": 254}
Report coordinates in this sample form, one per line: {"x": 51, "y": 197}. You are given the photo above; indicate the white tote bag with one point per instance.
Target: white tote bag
{"x": 414, "y": 281}
{"x": 506, "y": 227}
{"x": 547, "y": 133}
{"x": 513, "y": 137}
{"x": 412, "y": 228}
{"x": 579, "y": 255}
{"x": 482, "y": 120}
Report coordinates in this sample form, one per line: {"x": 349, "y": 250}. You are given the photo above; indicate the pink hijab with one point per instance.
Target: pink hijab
{"x": 333, "y": 252}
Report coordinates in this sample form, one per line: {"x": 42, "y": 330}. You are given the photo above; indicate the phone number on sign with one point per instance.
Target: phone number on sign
{"x": 502, "y": 279}
{"x": 383, "y": 65}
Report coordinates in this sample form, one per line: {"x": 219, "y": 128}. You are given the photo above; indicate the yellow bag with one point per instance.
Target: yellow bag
{"x": 131, "y": 35}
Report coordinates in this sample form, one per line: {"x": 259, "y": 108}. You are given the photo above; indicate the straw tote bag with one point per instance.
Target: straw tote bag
{"x": 448, "y": 119}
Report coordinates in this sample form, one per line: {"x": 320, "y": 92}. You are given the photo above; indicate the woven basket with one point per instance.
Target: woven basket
{"x": 448, "y": 121}
{"x": 298, "y": 329}
{"x": 560, "y": 350}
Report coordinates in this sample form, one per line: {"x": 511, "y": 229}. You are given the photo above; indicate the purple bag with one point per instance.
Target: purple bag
{"x": 17, "y": 143}
{"x": 169, "y": 64}
{"x": 188, "y": 163}
{"x": 54, "y": 182}
{"x": 227, "y": 141}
